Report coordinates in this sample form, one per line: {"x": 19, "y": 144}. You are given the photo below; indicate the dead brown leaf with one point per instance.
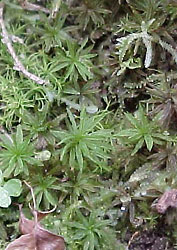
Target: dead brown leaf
{"x": 35, "y": 237}
{"x": 168, "y": 199}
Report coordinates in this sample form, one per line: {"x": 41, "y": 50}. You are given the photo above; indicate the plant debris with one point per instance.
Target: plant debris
{"x": 168, "y": 199}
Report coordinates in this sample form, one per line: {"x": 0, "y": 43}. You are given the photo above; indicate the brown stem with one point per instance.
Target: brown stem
{"x": 32, "y": 193}
{"x": 32, "y": 7}
{"x": 17, "y": 64}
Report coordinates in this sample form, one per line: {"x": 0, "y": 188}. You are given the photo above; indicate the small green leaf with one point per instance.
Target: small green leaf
{"x": 72, "y": 120}
{"x": 133, "y": 120}
{"x": 39, "y": 198}
{"x": 149, "y": 141}
{"x": 5, "y": 199}
{"x": 10, "y": 168}
{"x": 13, "y": 187}
{"x": 19, "y": 135}
{"x": 50, "y": 198}
{"x": 19, "y": 167}
{"x": 138, "y": 146}
{"x": 79, "y": 156}
{"x": 7, "y": 141}
{"x": 128, "y": 132}
{"x": 1, "y": 177}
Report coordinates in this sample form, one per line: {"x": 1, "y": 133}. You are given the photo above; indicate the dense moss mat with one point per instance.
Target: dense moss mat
{"x": 88, "y": 104}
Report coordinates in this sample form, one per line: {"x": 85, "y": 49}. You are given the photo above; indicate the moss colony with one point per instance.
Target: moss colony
{"x": 88, "y": 114}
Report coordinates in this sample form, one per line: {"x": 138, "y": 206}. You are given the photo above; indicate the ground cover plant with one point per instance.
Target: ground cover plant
{"x": 88, "y": 112}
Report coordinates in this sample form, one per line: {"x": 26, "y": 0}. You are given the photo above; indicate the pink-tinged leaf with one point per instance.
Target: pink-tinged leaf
{"x": 26, "y": 226}
{"x": 35, "y": 236}
{"x": 168, "y": 199}
{"x": 47, "y": 240}
{"x": 25, "y": 242}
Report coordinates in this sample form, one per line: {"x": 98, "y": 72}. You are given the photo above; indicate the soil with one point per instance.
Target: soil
{"x": 150, "y": 240}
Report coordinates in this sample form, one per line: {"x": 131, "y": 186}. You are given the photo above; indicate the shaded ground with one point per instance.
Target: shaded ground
{"x": 150, "y": 240}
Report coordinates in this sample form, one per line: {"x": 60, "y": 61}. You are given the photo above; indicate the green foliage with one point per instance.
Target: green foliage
{"x": 84, "y": 140}
{"x": 75, "y": 60}
{"x": 143, "y": 131}
{"x": 79, "y": 187}
{"x": 17, "y": 154}
{"x": 80, "y": 139}
{"x": 124, "y": 44}
{"x": 12, "y": 187}
{"x": 53, "y": 33}
{"x": 3, "y": 244}
{"x": 90, "y": 12}
{"x": 44, "y": 190}
{"x": 166, "y": 155}
{"x": 92, "y": 233}
{"x": 78, "y": 96}
{"x": 144, "y": 28}
{"x": 14, "y": 100}
{"x": 144, "y": 11}
{"x": 39, "y": 126}
{"x": 163, "y": 97}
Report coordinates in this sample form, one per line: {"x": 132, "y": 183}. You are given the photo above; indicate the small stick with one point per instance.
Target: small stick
{"x": 17, "y": 64}
{"x": 32, "y": 7}
{"x": 35, "y": 212}
{"x": 44, "y": 212}
{"x": 32, "y": 193}
{"x": 132, "y": 238}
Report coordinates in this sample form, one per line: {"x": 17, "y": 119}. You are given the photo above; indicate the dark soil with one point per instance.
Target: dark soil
{"x": 150, "y": 240}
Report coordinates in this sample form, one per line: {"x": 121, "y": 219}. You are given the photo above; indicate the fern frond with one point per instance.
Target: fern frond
{"x": 124, "y": 43}
{"x": 148, "y": 44}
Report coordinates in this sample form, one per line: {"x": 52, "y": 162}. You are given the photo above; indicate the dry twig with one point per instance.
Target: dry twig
{"x": 17, "y": 64}
{"x": 34, "y": 200}
{"x": 32, "y": 194}
{"x": 32, "y": 7}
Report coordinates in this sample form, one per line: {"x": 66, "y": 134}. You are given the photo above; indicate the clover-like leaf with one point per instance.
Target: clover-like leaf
{"x": 13, "y": 187}
{"x": 5, "y": 199}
